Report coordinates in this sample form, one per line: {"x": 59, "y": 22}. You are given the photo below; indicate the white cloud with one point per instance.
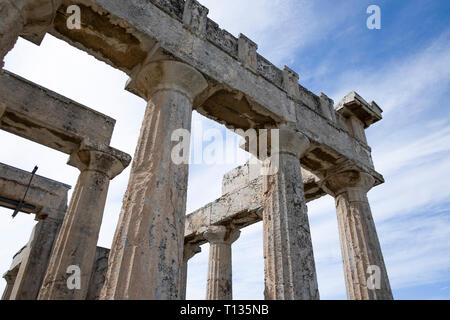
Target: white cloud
{"x": 281, "y": 28}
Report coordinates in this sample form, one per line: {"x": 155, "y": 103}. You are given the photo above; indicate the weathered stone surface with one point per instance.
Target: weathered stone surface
{"x": 290, "y": 272}
{"x": 45, "y": 117}
{"x": 242, "y": 202}
{"x": 28, "y": 18}
{"x": 359, "y": 241}
{"x": 45, "y": 195}
{"x": 35, "y": 259}
{"x": 147, "y": 253}
{"x": 220, "y": 281}
{"x": 11, "y": 275}
{"x": 195, "y": 17}
{"x": 98, "y": 273}
{"x": 290, "y": 82}
{"x": 48, "y": 200}
{"x": 247, "y": 52}
{"x": 77, "y": 240}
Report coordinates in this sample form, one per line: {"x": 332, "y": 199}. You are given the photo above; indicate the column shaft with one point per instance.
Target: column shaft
{"x": 220, "y": 282}
{"x": 34, "y": 264}
{"x": 148, "y": 246}
{"x": 77, "y": 240}
{"x": 290, "y": 272}
{"x": 360, "y": 248}
{"x": 147, "y": 252}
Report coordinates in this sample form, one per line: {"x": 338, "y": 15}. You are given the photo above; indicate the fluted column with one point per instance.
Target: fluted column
{"x": 77, "y": 240}
{"x": 18, "y": 15}
{"x": 147, "y": 253}
{"x": 290, "y": 272}
{"x": 220, "y": 276}
{"x": 35, "y": 262}
{"x": 190, "y": 250}
{"x": 365, "y": 272}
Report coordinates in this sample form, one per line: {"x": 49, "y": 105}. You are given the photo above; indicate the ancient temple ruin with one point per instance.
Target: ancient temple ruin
{"x": 179, "y": 60}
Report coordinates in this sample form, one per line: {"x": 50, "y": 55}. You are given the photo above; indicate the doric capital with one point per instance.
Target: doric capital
{"x": 348, "y": 180}
{"x": 167, "y": 75}
{"x": 291, "y": 141}
{"x": 221, "y": 234}
{"x": 101, "y": 158}
{"x": 191, "y": 250}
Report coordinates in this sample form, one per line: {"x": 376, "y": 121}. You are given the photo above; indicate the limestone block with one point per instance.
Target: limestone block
{"x": 195, "y": 17}
{"x": 290, "y": 82}
{"x": 247, "y": 52}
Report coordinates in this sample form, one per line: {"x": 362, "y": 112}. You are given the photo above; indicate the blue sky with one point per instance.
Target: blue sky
{"x": 404, "y": 67}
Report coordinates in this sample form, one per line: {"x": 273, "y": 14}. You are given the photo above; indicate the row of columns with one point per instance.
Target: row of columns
{"x": 147, "y": 258}
{"x": 288, "y": 253}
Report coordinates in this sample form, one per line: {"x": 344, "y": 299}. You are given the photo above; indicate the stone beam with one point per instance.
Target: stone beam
{"x": 43, "y": 198}
{"x": 241, "y": 204}
{"x": 45, "y": 117}
{"x": 226, "y": 61}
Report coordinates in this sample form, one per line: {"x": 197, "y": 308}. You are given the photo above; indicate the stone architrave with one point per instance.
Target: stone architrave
{"x": 146, "y": 257}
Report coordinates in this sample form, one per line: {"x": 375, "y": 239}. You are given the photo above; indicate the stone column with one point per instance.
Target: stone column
{"x": 290, "y": 272}
{"x": 365, "y": 272}
{"x": 10, "y": 278}
{"x": 16, "y": 16}
{"x": 77, "y": 240}
{"x": 220, "y": 281}
{"x": 35, "y": 262}
{"x": 147, "y": 253}
{"x": 190, "y": 250}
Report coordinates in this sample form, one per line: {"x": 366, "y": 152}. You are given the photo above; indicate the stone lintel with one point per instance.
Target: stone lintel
{"x": 45, "y": 195}
{"x": 354, "y": 105}
{"x": 47, "y": 118}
